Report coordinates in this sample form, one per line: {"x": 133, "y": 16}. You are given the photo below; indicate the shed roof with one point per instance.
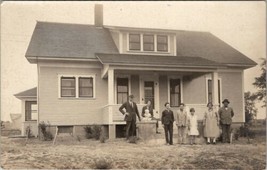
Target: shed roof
{"x": 155, "y": 60}
{"x": 27, "y": 93}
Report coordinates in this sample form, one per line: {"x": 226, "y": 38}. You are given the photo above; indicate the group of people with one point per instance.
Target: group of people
{"x": 187, "y": 124}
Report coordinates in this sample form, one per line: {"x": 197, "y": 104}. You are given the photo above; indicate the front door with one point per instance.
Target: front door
{"x": 149, "y": 91}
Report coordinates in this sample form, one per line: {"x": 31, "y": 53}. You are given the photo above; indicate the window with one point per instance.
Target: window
{"x": 134, "y": 42}
{"x": 77, "y": 86}
{"x": 122, "y": 90}
{"x": 67, "y": 86}
{"x": 162, "y": 43}
{"x": 31, "y": 111}
{"x": 175, "y": 92}
{"x": 85, "y": 87}
{"x": 148, "y": 41}
{"x": 209, "y": 90}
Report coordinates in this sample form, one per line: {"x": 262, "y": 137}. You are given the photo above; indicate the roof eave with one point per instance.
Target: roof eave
{"x": 34, "y": 59}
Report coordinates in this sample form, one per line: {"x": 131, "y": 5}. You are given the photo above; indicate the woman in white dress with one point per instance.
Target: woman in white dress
{"x": 192, "y": 126}
{"x": 211, "y": 124}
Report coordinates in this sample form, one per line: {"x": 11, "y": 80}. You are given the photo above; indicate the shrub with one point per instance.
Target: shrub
{"x": 47, "y": 135}
{"x": 92, "y": 132}
{"x": 29, "y": 132}
{"x": 133, "y": 139}
{"x": 102, "y": 163}
{"x": 102, "y": 139}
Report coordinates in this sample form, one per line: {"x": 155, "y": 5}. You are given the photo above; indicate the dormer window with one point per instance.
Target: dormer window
{"x": 162, "y": 43}
{"x": 134, "y": 42}
{"x": 149, "y": 43}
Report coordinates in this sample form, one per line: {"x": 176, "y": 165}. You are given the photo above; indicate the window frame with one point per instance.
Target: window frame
{"x": 155, "y": 46}
{"x": 169, "y": 88}
{"x": 84, "y": 96}
{"x": 61, "y": 87}
{"x": 135, "y": 42}
{"x": 150, "y": 43}
{"x": 167, "y": 43}
{"x": 219, "y": 90}
{"x": 115, "y": 86}
{"x": 77, "y": 89}
{"x": 27, "y": 103}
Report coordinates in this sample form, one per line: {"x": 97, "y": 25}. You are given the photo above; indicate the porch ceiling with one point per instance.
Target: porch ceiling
{"x": 156, "y": 60}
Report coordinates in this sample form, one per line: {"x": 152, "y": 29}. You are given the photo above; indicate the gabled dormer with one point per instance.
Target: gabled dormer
{"x": 144, "y": 40}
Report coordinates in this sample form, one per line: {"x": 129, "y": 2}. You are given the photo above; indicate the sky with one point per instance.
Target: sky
{"x": 241, "y": 24}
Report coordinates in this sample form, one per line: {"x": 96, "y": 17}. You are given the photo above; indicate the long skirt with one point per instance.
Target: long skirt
{"x": 211, "y": 129}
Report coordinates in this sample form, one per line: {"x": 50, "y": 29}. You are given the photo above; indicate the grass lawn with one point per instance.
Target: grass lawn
{"x": 117, "y": 154}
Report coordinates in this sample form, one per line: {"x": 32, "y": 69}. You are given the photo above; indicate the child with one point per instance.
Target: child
{"x": 181, "y": 123}
{"x": 167, "y": 120}
{"x": 192, "y": 126}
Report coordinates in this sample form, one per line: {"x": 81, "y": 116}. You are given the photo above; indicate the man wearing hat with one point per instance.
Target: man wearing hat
{"x": 226, "y": 113}
{"x": 130, "y": 116}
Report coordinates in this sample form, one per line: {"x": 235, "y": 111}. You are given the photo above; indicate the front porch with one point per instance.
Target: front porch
{"x": 159, "y": 87}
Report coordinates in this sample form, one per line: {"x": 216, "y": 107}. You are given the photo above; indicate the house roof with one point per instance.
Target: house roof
{"x": 69, "y": 40}
{"x": 157, "y": 60}
{"x": 208, "y": 46}
{"x": 30, "y": 93}
{"x": 61, "y": 40}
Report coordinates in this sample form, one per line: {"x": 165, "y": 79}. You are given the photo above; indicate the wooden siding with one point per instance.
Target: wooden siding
{"x": 115, "y": 37}
{"x": 135, "y": 88}
{"x": 194, "y": 90}
{"x": 69, "y": 111}
{"x": 232, "y": 90}
{"x": 163, "y": 92}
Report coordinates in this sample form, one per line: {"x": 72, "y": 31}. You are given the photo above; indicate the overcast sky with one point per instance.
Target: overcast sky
{"x": 240, "y": 24}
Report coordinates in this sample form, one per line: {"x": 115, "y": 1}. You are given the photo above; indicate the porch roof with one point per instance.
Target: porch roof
{"x": 156, "y": 60}
{"x": 30, "y": 93}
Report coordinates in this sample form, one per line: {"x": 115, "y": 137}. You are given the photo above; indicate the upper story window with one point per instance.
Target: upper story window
{"x": 77, "y": 86}
{"x": 134, "y": 42}
{"x": 162, "y": 43}
{"x": 148, "y": 42}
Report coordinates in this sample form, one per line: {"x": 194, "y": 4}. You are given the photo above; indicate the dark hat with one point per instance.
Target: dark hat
{"x": 192, "y": 110}
{"x": 131, "y": 96}
{"x": 225, "y": 100}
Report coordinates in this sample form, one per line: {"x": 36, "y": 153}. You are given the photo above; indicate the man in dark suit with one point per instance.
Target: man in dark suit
{"x": 167, "y": 120}
{"x": 130, "y": 116}
{"x": 226, "y": 113}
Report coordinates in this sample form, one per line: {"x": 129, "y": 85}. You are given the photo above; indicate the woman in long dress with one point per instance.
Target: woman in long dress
{"x": 211, "y": 124}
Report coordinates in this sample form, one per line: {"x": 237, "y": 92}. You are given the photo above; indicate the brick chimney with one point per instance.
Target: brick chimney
{"x": 98, "y": 15}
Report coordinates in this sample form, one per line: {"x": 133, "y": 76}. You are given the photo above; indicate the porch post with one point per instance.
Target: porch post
{"x": 112, "y": 129}
{"x": 215, "y": 99}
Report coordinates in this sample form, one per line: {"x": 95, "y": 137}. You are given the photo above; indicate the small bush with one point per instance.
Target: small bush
{"x": 78, "y": 138}
{"x": 102, "y": 163}
{"x": 133, "y": 139}
{"x": 92, "y": 132}
{"x": 102, "y": 139}
{"x": 29, "y": 132}
{"x": 47, "y": 135}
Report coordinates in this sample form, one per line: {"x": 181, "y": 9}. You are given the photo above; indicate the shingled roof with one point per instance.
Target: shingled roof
{"x": 69, "y": 41}
{"x": 30, "y": 93}
{"x": 79, "y": 41}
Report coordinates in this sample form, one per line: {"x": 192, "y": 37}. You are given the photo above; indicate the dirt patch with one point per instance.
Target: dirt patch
{"x": 117, "y": 154}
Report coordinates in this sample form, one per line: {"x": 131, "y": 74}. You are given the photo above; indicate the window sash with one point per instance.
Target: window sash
{"x": 134, "y": 42}
{"x": 68, "y": 88}
{"x": 162, "y": 43}
{"x": 122, "y": 90}
{"x": 31, "y": 111}
{"x": 148, "y": 42}
{"x": 86, "y": 90}
{"x": 175, "y": 92}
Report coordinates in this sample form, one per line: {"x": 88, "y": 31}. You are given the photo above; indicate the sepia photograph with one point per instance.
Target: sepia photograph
{"x": 133, "y": 85}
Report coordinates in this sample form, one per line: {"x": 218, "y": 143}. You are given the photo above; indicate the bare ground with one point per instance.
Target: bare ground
{"x": 117, "y": 154}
